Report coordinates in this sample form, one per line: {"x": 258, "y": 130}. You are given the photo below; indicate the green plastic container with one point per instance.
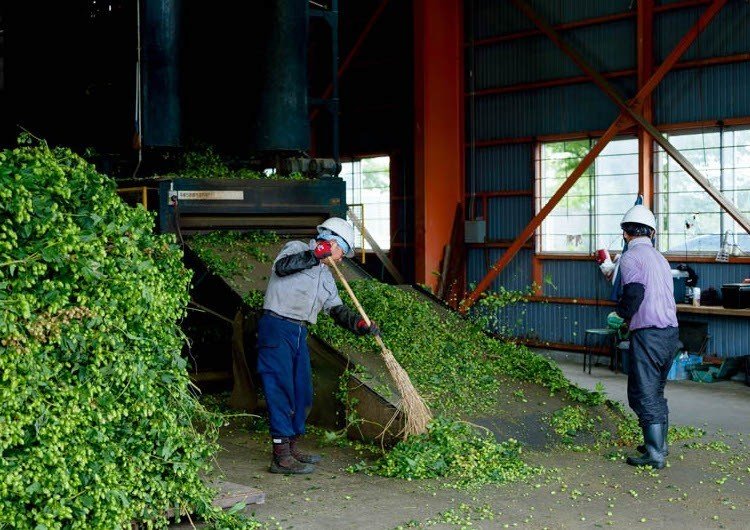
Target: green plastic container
{"x": 707, "y": 373}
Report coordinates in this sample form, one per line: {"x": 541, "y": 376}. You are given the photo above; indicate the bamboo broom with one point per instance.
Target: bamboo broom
{"x": 416, "y": 412}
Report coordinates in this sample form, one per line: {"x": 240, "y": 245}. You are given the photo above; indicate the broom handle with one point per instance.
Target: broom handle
{"x": 356, "y": 302}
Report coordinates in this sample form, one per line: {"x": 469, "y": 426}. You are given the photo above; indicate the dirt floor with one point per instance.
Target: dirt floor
{"x": 704, "y": 487}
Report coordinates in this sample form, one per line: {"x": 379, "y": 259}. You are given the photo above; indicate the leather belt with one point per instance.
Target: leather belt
{"x": 282, "y": 317}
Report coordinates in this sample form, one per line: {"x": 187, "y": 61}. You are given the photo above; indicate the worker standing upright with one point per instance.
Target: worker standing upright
{"x": 648, "y": 304}
{"x": 300, "y": 287}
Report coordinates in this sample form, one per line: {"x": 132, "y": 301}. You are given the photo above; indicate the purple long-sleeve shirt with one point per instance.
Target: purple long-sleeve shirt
{"x": 643, "y": 264}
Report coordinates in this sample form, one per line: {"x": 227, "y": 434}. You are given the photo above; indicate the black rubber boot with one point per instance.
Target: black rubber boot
{"x": 665, "y": 447}
{"x": 305, "y": 458}
{"x": 283, "y": 462}
{"x": 653, "y": 435}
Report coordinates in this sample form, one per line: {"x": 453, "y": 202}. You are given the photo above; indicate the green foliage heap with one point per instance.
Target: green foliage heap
{"x": 453, "y": 363}
{"x": 457, "y": 367}
{"x": 455, "y": 449}
{"x": 224, "y": 252}
{"x": 207, "y": 163}
{"x": 571, "y": 420}
{"x": 98, "y": 424}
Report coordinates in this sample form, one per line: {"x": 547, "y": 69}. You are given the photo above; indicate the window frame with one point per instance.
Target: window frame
{"x": 538, "y": 198}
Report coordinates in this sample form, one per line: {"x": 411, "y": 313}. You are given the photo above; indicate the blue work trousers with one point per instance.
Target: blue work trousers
{"x": 284, "y": 368}
{"x": 651, "y": 353}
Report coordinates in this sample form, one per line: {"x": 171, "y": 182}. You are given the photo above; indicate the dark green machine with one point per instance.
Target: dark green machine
{"x": 285, "y": 206}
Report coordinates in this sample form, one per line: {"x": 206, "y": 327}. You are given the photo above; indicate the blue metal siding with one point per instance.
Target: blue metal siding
{"x": 570, "y": 108}
{"x": 712, "y": 93}
{"x": 575, "y": 279}
{"x": 507, "y": 216}
{"x": 729, "y": 336}
{"x": 727, "y": 34}
{"x": 515, "y": 277}
{"x": 717, "y": 274}
{"x": 554, "y": 323}
{"x": 538, "y": 58}
{"x": 492, "y": 17}
{"x": 501, "y": 168}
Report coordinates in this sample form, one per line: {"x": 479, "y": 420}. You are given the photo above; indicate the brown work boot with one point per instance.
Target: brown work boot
{"x": 283, "y": 462}
{"x": 306, "y": 458}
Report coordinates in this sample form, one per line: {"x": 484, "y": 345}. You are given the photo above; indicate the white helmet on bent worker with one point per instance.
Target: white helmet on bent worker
{"x": 641, "y": 215}
{"x": 341, "y": 228}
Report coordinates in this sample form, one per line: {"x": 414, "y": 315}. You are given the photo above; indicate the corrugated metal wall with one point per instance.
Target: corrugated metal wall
{"x": 496, "y": 115}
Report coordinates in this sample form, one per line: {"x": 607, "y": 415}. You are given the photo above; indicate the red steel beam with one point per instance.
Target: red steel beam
{"x": 438, "y": 129}
{"x": 645, "y": 58}
{"x": 646, "y": 90}
{"x": 353, "y": 52}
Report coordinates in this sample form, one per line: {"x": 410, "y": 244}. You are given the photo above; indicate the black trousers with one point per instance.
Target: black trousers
{"x": 652, "y": 351}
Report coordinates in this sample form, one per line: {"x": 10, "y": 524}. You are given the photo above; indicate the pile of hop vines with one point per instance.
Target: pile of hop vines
{"x": 457, "y": 367}
{"x": 456, "y": 450}
{"x": 452, "y": 361}
{"x": 98, "y": 425}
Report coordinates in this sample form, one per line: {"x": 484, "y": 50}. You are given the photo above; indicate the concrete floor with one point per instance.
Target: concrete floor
{"x": 704, "y": 487}
{"x": 724, "y": 405}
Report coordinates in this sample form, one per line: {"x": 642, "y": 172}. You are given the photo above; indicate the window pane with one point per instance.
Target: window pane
{"x": 692, "y": 221}
{"x": 589, "y": 215}
{"x": 368, "y": 185}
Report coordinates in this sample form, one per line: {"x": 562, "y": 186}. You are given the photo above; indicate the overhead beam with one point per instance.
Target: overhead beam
{"x": 621, "y": 121}
{"x": 645, "y": 60}
{"x": 630, "y": 110}
{"x": 353, "y": 52}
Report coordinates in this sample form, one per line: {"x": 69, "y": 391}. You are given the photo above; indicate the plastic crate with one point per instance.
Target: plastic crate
{"x": 707, "y": 373}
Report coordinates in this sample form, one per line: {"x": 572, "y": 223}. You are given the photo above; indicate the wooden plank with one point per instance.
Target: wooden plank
{"x": 376, "y": 248}
{"x": 230, "y": 493}
{"x": 713, "y": 310}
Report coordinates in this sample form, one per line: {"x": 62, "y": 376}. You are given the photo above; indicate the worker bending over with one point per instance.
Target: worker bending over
{"x": 300, "y": 287}
{"x": 648, "y": 304}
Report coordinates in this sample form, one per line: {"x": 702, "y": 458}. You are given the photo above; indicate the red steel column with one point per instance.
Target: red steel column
{"x": 438, "y": 129}
{"x": 645, "y": 37}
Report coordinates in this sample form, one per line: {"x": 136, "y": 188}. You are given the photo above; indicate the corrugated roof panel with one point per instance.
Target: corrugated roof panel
{"x": 727, "y": 34}
{"x": 486, "y": 18}
{"x": 500, "y": 168}
{"x": 711, "y": 93}
{"x": 572, "y": 108}
{"x": 607, "y": 47}
{"x": 507, "y": 217}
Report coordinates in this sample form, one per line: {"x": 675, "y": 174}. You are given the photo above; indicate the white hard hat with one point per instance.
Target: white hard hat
{"x": 342, "y": 229}
{"x": 641, "y": 215}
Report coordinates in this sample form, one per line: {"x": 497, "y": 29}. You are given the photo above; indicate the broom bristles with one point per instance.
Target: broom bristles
{"x": 416, "y": 413}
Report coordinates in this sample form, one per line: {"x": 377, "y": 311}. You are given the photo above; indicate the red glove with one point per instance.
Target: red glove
{"x": 322, "y": 249}
{"x": 363, "y": 329}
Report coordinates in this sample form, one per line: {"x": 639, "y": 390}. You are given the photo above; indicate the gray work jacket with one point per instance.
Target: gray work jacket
{"x": 301, "y": 295}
